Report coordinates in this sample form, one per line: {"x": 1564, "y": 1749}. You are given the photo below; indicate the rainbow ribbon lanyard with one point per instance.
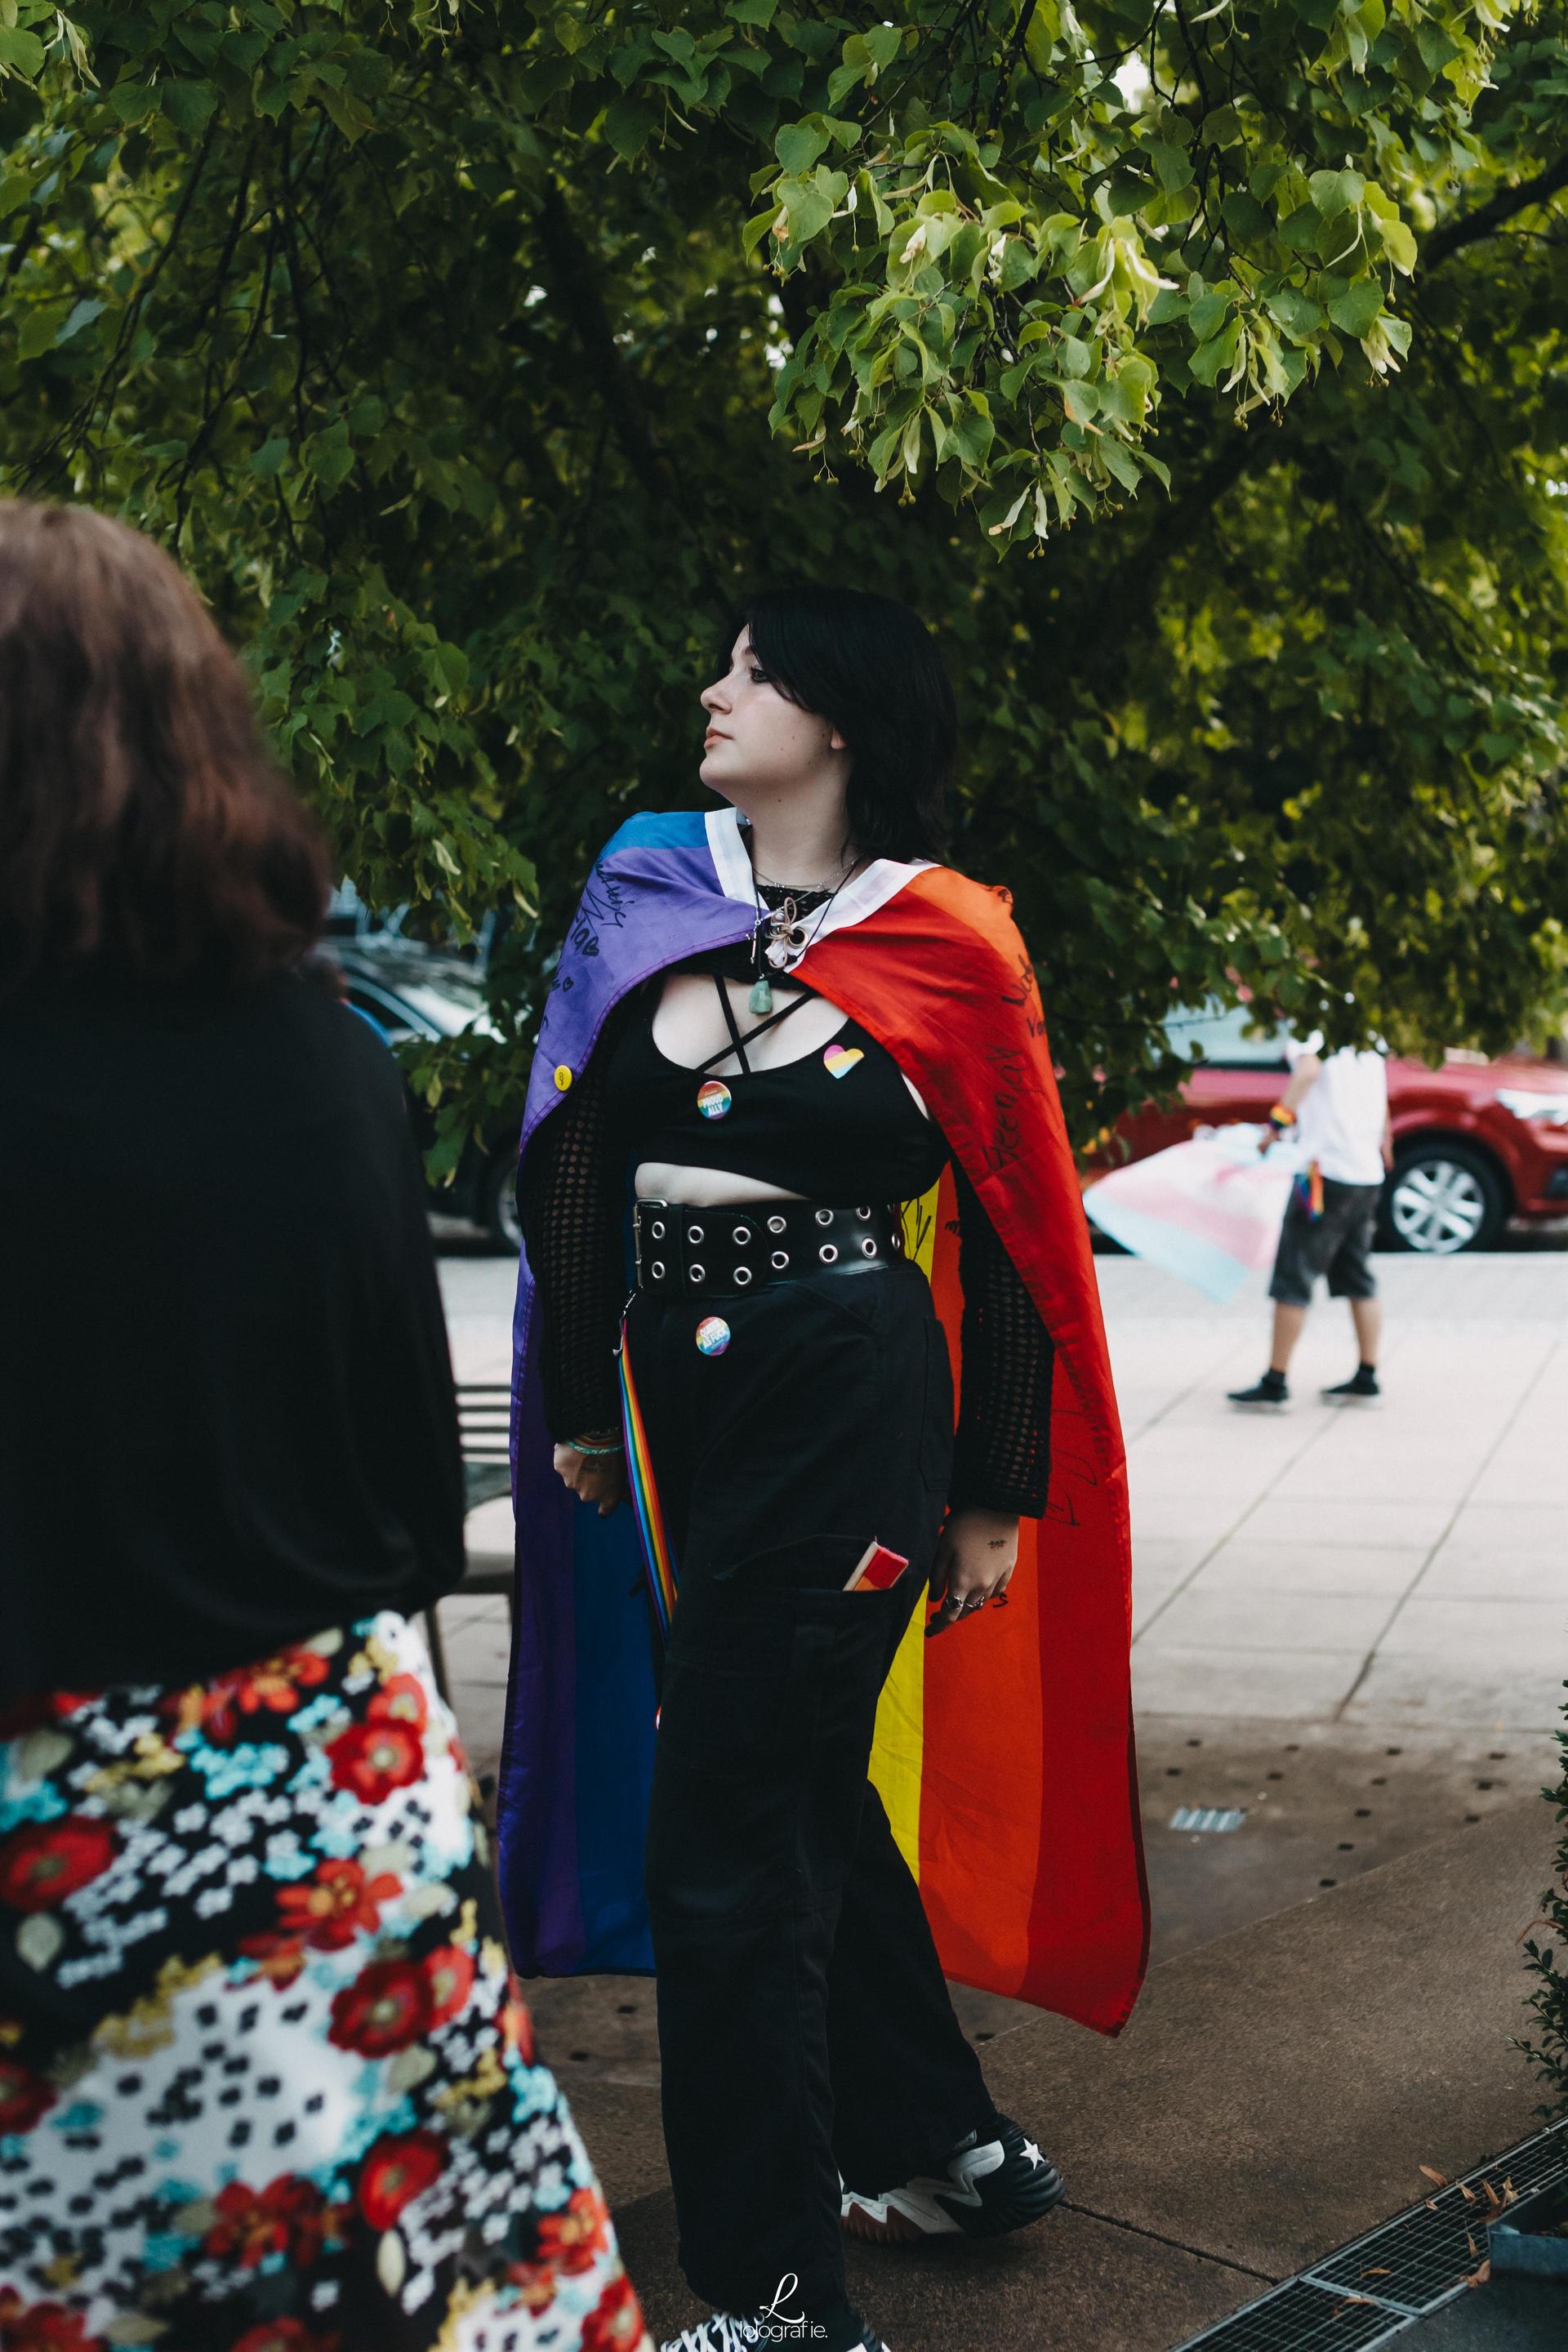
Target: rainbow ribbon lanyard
{"x": 1310, "y": 1188}
{"x": 658, "y": 1558}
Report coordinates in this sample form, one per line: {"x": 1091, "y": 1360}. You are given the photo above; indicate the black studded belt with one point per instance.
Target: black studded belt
{"x": 745, "y": 1243}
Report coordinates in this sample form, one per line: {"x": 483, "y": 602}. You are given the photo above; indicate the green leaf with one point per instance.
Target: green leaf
{"x": 82, "y": 314}
{"x": 270, "y": 458}
{"x": 20, "y": 53}
{"x": 1171, "y": 163}
{"x": 628, "y": 126}
{"x": 38, "y": 328}
{"x": 133, "y": 101}
{"x": 798, "y": 145}
{"x": 189, "y": 105}
{"x": 750, "y": 12}
{"x": 1355, "y": 310}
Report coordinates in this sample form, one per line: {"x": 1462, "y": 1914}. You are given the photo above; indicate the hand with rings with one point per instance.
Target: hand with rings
{"x": 975, "y": 1557}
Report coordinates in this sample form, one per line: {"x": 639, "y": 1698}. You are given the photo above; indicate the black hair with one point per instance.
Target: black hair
{"x": 871, "y": 667}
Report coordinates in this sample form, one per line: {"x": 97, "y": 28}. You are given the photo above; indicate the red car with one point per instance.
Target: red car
{"x": 1475, "y": 1141}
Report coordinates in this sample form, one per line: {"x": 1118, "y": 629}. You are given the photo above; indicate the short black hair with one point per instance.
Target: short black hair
{"x": 870, "y": 667}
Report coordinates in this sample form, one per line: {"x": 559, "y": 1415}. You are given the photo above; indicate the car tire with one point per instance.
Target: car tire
{"x": 497, "y": 1205}
{"x": 1442, "y": 1198}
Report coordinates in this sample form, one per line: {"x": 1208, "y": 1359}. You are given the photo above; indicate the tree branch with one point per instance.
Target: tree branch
{"x": 1485, "y": 220}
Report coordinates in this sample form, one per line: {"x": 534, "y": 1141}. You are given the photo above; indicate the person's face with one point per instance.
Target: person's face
{"x": 759, "y": 742}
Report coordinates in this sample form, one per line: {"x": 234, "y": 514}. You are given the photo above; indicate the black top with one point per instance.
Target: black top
{"x": 837, "y": 1125}
{"x": 227, "y": 1416}
{"x": 572, "y": 1194}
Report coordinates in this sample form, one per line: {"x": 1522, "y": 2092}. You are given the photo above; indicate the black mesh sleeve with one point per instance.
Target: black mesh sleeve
{"x": 569, "y": 1199}
{"x": 1003, "y": 1449}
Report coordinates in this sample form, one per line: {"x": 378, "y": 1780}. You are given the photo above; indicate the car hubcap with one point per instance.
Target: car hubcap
{"x": 1437, "y": 1207}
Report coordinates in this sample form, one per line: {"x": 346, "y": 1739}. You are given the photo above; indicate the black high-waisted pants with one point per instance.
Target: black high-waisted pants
{"x": 805, "y": 2025}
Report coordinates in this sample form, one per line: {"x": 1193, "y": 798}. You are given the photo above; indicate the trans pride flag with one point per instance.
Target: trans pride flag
{"x": 1004, "y": 1752}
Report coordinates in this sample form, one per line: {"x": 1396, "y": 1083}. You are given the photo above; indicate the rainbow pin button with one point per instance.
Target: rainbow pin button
{"x": 713, "y": 1098}
{"x": 712, "y": 1335}
{"x": 839, "y": 1060}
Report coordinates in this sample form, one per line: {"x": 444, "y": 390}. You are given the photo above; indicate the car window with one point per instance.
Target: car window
{"x": 1223, "y": 1037}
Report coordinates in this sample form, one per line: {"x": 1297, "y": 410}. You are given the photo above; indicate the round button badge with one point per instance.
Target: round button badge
{"x": 712, "y": 1335}
{"x": 713, "y": 1098}
{"x": 562, "y": 1078}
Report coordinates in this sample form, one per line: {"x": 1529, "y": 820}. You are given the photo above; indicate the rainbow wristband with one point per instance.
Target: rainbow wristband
{"x": 1279, "y": 1118}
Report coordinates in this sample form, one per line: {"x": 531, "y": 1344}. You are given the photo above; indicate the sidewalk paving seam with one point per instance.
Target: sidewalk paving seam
{"x": 1177, "y": 2245}
{"x": 1528, "y": 1390}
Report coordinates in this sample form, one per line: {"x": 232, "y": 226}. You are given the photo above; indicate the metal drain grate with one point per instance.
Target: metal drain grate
{"x": 1208, "y": 1817}
{"x": 1300, "y": 2318}
{"x": 1370, "y": 2290}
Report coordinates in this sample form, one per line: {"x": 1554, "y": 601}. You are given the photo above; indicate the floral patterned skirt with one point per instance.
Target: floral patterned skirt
{"x": 267, "y": 2083}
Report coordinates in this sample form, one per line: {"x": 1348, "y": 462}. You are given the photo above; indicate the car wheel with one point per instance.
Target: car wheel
{"x": 1443, "y": 1198}
{"x": 497, "y": 1206}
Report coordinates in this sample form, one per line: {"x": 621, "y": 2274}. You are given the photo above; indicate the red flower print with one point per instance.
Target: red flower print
{"x": 338, "y": 1904}
{"x": 43, "y": 2328}
{"x": 280, "y": 1959}
{"x": 285, "y": 2335}
{"x": 402, "y": 1700}
{"x": 386, "y": 2007}
{"x": 575, "y": 2237}
{"x": 30, "y": 1714}
{"x": 44, "y": 1862}
{"x": 615, "y": 2324}
{"x": 374, "y": 1759}
{"x": 534, "y": 2282}
{"x": 24, "y": 2095}
{"x": 395, "y": 2171}
{"x": 273, "y": 1685}
{"x": 287, "y": 2216}
{"x": 516, "y": 2022}
{"x": 450, "y": 1973}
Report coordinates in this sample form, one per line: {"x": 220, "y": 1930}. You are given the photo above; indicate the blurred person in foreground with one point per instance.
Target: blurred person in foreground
{"x": 266, "y": 2078}
{"x": 1336, "y": 1109}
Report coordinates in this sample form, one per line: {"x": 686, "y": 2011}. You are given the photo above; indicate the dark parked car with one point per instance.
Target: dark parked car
{"x": 1476, "y": 1142}
{"x": 406, "y": 990}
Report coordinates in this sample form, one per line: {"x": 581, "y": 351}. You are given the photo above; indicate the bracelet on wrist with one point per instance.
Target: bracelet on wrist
{"x": 581, "y": 1445}
{"x": 1279, "y": 1117}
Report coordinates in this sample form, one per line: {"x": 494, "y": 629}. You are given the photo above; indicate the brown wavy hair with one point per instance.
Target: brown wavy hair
{"x": 143, "y": 827}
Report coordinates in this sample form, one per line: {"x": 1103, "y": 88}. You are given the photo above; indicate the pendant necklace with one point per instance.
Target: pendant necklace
{"x": 786, "y": 937}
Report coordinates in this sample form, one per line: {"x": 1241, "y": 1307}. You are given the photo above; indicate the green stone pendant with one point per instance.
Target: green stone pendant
{"x": 761, "y": 999}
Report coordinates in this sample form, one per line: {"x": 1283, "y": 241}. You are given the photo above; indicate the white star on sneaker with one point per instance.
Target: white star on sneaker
{"x": 1032, "y": 2152}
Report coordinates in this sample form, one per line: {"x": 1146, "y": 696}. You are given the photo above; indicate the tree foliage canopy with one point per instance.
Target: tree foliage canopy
{"x": 1198, "y": 370}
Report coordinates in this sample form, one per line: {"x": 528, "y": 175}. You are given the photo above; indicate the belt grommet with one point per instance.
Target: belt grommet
{"x": 829, "y": 1253}
{"x": 696, "y": 1274}
{"x": 824, "y": 1216}
{"x": 862, "y": 1214}
{"x": 740, "y": 1276}
{"x": 656, "y": 1269}
{"x": 776, "y": 1224}
{"x": 780, "y": 1259}
{"x": 869, "y": 1246}
{"x": 743, "y": 1233}
{"x": 657, "y": 1229}
{"x": 694, "y": 1232}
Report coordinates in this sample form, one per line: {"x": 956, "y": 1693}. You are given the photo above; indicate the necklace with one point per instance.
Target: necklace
{"x": 787, "y": 938}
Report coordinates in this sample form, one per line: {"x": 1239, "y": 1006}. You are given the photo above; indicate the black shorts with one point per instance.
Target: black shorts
{"x": 1338, "y": 1244}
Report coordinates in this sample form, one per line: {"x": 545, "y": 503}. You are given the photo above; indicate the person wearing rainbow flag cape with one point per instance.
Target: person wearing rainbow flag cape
{"x": 840, "y": 1705}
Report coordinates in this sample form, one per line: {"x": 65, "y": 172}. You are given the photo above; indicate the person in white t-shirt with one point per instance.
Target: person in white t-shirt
{"x": 1337, "y": 1106}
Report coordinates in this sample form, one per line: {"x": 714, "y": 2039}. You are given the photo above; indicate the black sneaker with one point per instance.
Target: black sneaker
{"x": 990, "y": 2186}
{"x": 1267, "y": 1395}
{"x": 1361, "y": 1389}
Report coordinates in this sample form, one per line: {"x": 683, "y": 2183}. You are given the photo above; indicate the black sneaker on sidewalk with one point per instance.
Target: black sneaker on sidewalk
{"x": 1267, "y": 1395}
{"x": 991, "y": 2184}
{"x": 1361, "y": 1388}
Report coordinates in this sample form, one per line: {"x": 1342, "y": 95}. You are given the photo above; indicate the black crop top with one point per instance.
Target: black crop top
{"x": 570, "y": 1199}
{"x": 836, "y": 1124}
